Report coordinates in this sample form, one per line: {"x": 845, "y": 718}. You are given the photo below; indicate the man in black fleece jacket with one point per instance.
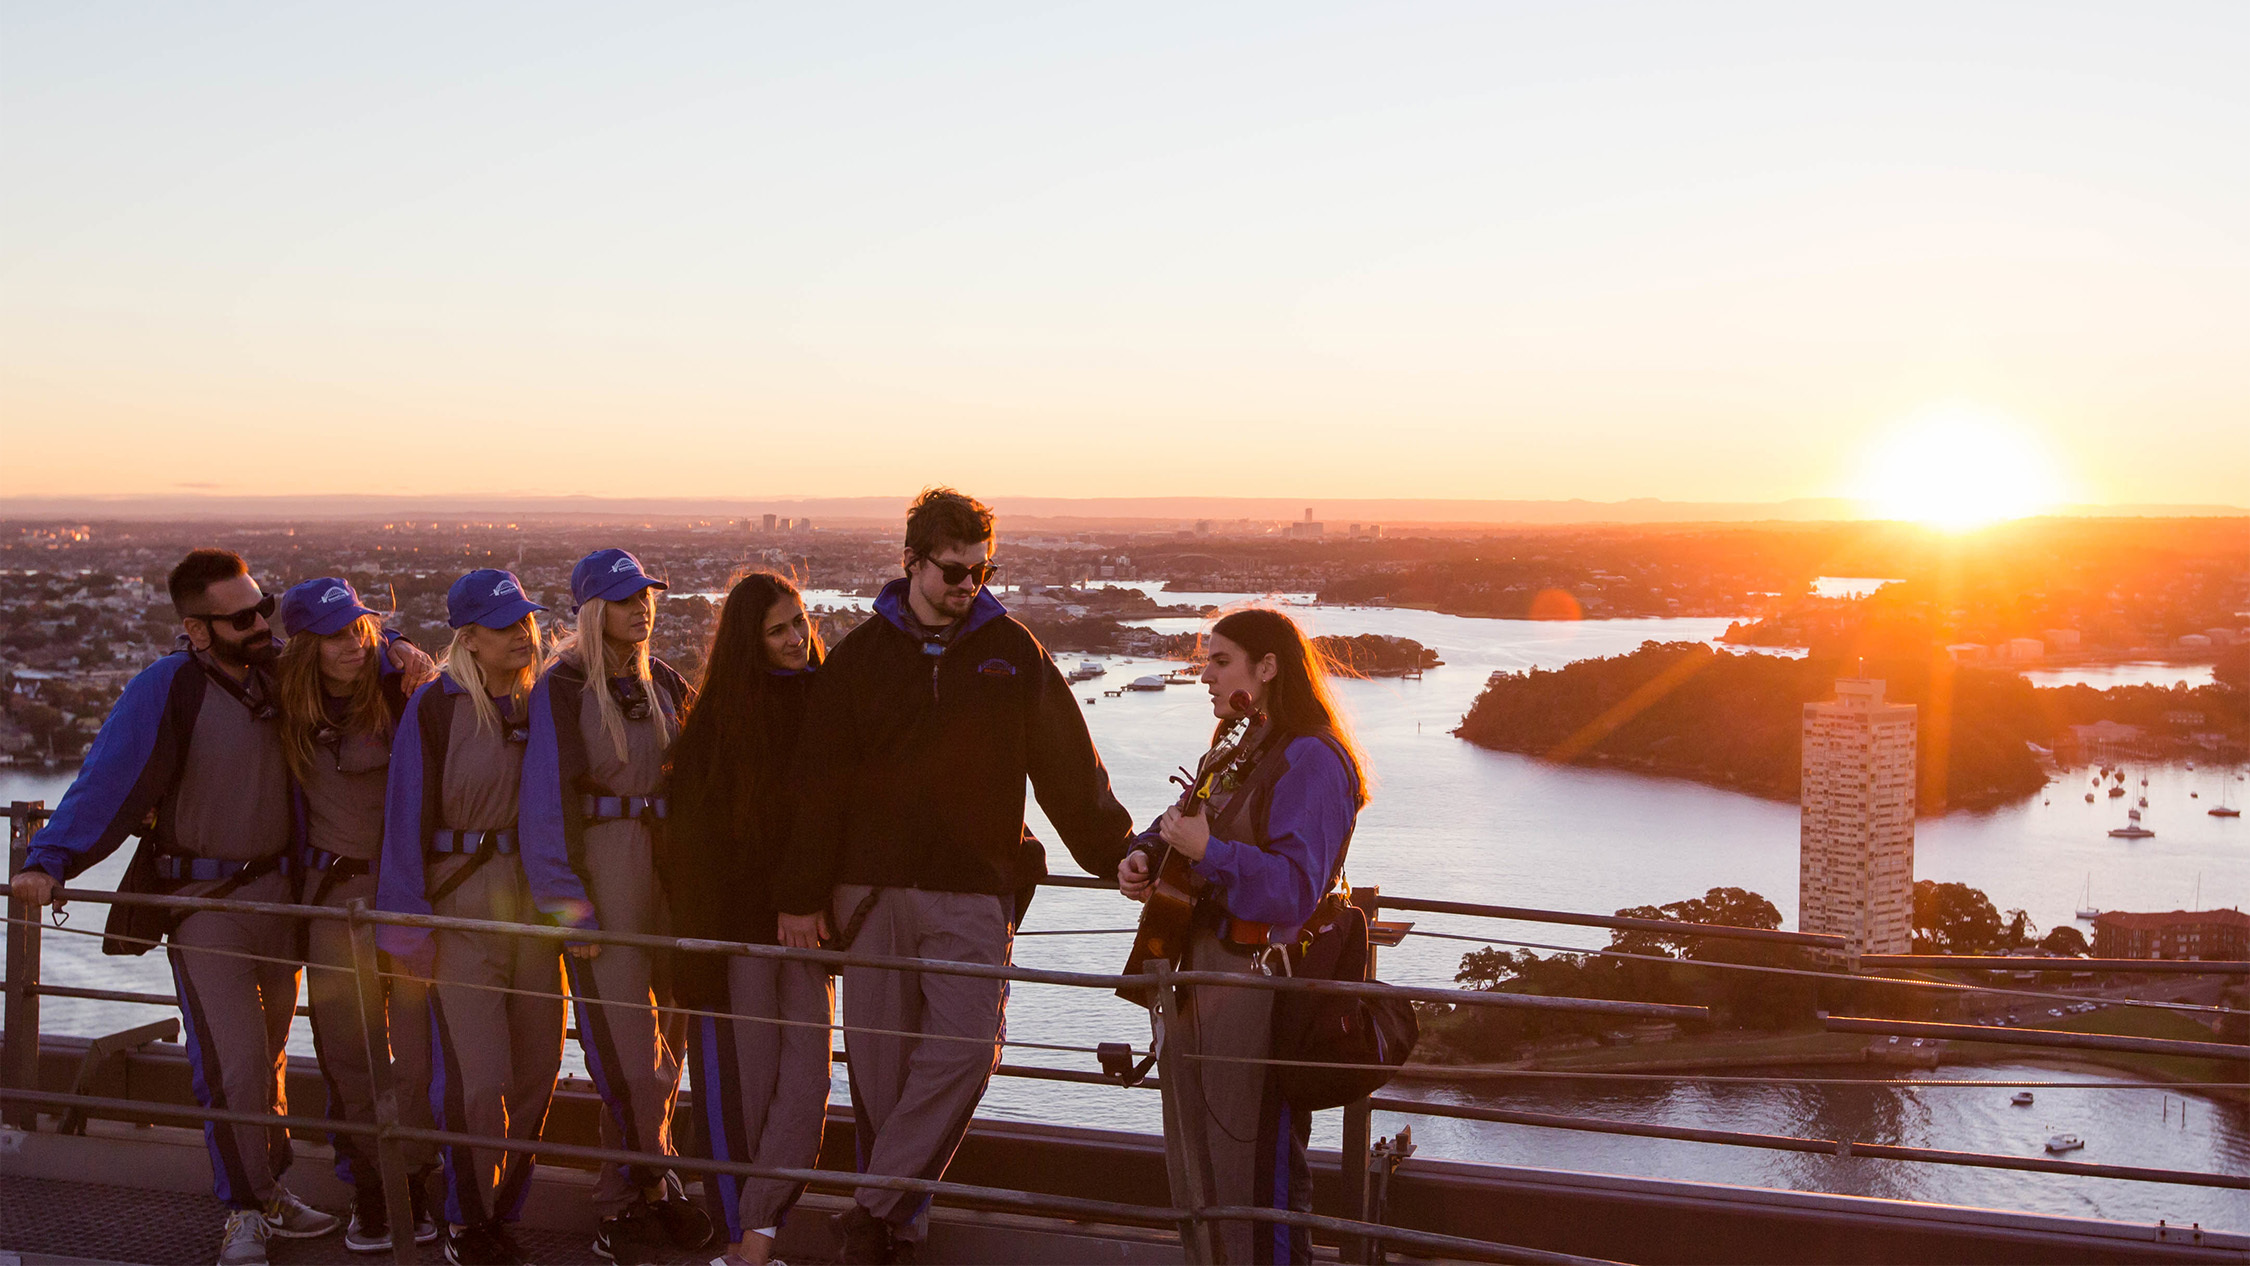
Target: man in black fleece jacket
{"x": 924, "y": 724}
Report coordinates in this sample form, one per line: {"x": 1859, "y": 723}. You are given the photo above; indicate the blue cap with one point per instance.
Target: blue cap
{"x": 490, "y": 597}
{"x": 326, "y": 605}
{"x": 609, "y": 574}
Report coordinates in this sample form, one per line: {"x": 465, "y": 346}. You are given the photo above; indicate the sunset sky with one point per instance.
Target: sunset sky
{"x": 1690, "y": 251}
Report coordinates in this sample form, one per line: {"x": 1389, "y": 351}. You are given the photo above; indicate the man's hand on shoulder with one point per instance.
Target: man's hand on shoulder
{"x": 416, "y": 669}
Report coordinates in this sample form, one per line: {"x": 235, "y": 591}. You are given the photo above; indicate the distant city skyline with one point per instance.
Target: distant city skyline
{"x": 1955, "y": 262}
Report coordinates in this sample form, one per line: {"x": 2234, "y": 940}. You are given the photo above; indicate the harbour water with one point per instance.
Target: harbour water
{"x": 1449, "y": 819}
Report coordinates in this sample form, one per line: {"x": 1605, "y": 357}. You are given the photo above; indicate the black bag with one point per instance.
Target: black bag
{"x": 1377, "y": 1034}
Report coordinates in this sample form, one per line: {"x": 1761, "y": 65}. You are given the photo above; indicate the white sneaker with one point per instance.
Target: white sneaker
{"x": 244, "y": 1243}
{"x": 293, "y": 1219}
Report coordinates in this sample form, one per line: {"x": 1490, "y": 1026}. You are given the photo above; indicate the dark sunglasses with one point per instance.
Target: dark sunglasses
{"x": 955, "y": 573}
{"x": 240, "y": 621}
{"x": 632, "y": 696}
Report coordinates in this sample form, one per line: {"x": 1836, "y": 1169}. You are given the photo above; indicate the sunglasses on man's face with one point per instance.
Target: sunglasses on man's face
{"x": 241, "y": 621}
{"x": 955, "y": 573}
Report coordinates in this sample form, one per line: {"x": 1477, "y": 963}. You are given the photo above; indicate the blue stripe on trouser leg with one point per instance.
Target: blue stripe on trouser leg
{"x": 344, "y": 1146}
{"x": 229, "y": 1182}
{"x": 718, "y": 1086}
{"x": 464, "y": 1197}
{"x": 599, "y": 1045}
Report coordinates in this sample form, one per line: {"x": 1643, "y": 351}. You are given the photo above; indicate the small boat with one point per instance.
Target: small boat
{"x": 2086, "y": 907}
{"x": 2064, "y": 1142}
{"x": 2144, "y": 782}
{"x": 1145, "y": 683}
{"x": 2144, "y": 802}
{"x": 2191, "y": 766}
{"x": 1087, "y": 670}
{"x": 2117, "y": 791}
{"x": 2089, "y": 797}
{"x": 2133, "y": 815}
{"x": 2224, "y": 811}
{"x": 2021, "y": 1099}
{"x": 2133, "y": 832}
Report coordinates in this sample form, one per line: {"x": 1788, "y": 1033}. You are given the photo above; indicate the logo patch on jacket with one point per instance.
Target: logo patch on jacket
{"x": 997, "y": 668}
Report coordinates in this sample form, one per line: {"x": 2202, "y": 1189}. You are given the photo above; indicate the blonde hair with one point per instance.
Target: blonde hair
{"x": 461, "y": 665}
{"x": 591, "y": 646}
{"x": 303, "y": 694}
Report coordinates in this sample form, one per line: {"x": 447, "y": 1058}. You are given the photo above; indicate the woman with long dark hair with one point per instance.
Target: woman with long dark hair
{"x": 340, "y": 699}
{"x": 761, "y": 1072}
{"x": 1275, "y": 821}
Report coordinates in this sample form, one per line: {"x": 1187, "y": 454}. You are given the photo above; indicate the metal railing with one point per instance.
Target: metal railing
{"x": 1363, "y": 1234}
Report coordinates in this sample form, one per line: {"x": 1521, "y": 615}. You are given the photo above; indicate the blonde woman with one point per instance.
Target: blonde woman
{"x": 602, "y": 718}
{"x": 451, "y": 847}
{"x": 340, "y": 697}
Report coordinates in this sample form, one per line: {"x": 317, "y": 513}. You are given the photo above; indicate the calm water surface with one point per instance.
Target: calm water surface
{"x": 1452, "y": 820}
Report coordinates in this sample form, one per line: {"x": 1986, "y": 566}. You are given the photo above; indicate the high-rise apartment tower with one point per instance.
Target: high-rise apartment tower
{"x": 1855, "y": 861}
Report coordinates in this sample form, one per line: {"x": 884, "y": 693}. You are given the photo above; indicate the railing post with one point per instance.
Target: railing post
{"x": 1187, "y": 1154}
{"x": 19, "y": 1063}
{"x": 374, "y": 1023}
{"x": 1359, "y": 1119}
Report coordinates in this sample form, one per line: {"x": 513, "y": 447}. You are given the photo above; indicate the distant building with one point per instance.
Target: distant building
{"x": 1967, "y": 652}
{"x": 1855, "y": 840}
{"x": 1306, "y": 529}
{"x": 2206, "y": 934}
{"x": 769, "y": 522}
{"x": 2221, "y": 637}
{"x": 2194, "y": 642}
{"x": 2023, "y": 648}
{"x": 2060, "y": 639}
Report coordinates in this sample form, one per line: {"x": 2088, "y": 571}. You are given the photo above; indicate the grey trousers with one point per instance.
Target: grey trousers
{"x": 1256, "y": 1142}
{"x": 913, "y": 1098}
{"x": 632, "y": 1052}
{"x": 495, "y": 1055}
{"x": 763, "y": 1088}
{"x": 234, "y": 1016}
{"x": 339, "y": 1039}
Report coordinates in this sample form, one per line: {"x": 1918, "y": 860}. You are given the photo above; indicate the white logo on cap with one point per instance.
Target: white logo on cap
{"x": 336, "y": 593}
{"x": 622, "y": 564}
{"x": 506, "y": 586}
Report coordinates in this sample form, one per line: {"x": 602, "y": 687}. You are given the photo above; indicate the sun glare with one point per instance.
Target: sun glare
{"x": 1958, "y": 468}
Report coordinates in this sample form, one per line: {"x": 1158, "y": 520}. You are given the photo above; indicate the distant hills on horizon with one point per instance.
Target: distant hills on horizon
{"x": 1142, "y": 512}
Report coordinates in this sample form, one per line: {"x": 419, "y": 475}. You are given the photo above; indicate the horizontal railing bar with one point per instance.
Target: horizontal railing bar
{"x": 2037, "y": 1037}
{"x": 114, "y": 995}
{"x": 1106, "y": 1211}
{"x": 1452, "y": 1245}
{"x": 1030, "y": 975}
{"x": 1792, "y": 1143}
{"x": 1999, "y": 962}
{"x": 1525, "y": 914}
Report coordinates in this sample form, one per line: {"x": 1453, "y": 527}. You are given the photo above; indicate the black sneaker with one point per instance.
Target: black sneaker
{"x": 370, "y": 1227}
{"x": 684, "y": 1224}
{"x": 418, "y": 1198}
{"x": 632, "y": 1238}
{"x": 486, "y": 1245}
{"x": 862, "y": 1238}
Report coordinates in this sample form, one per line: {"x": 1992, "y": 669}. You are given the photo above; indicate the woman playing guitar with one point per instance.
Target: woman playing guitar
{"x": 1277, "y": 805}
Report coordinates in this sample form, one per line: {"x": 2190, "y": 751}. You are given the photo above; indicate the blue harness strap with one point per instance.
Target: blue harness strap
{"x": 621, "y": 808}
{"x": 447, "y": 840}
{"x": 179, "y": 868}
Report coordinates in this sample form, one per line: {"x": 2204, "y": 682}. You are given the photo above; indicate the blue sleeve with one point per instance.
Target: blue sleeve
{"x": 1310, "y": 816}
{"x": 541, "y": 831}
{"x": 401, "y": 886}
{"x": 121, "y": 780}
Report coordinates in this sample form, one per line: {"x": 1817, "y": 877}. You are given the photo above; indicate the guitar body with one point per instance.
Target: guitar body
{"x": 1168, "y": 913}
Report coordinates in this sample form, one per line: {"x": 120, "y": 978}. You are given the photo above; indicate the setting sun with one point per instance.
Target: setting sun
{"x": 1958, "y": 467}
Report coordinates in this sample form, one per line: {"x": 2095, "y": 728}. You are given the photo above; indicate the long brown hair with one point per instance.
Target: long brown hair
{"x": 1298, "y": 700}
{"x": 723, "y": 735}
{"x": 303, "y": 696}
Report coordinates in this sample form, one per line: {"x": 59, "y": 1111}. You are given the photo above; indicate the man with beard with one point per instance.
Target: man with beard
{"x": 922, "y": 729}
{"x": 191, "y": 761}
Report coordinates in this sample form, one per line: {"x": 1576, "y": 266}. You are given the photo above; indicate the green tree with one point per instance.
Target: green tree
{"x": 1954, "y": 919}
{"x": 2063, "y": 942}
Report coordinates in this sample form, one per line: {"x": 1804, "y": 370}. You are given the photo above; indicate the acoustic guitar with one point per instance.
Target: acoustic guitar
{"x": 1168, "y": 913}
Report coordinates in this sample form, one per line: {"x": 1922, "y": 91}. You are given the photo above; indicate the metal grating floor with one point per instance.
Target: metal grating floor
{"x": 94, "y": 1222}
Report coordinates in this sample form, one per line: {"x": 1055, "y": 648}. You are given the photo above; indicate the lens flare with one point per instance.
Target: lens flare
{"x": 1957, "y": 468}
